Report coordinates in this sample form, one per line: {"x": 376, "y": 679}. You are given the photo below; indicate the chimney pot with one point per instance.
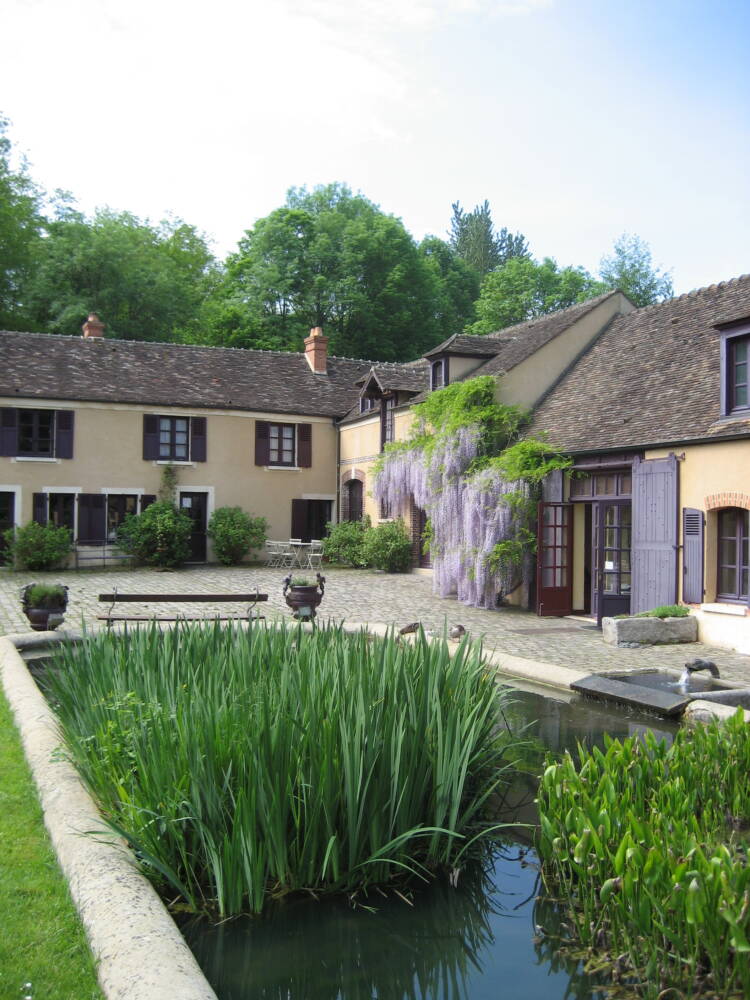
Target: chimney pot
{"x": 93, "y": 327}
{"x": 316, "y": 350}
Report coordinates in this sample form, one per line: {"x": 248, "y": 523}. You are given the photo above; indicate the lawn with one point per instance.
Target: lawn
{"x": 43, "y": 948}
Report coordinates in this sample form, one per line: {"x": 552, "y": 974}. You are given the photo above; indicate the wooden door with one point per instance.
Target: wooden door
{"x": 195, "y": 505}
{"x": 612, "y": 552}
{"x": 554, "y": 573}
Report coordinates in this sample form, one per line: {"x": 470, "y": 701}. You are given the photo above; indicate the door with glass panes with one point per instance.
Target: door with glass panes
{"x": 611, "y": 526}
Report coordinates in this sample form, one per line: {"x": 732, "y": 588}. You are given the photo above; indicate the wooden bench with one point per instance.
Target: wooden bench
{"x": 116, "y": 598}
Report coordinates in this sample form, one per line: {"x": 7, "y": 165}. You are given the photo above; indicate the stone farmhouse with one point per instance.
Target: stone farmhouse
{"x": 652, "y": 404}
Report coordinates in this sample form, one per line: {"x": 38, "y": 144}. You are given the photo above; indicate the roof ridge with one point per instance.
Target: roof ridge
{"x": 695, "y": 292}
{"x": 496, "y": 334}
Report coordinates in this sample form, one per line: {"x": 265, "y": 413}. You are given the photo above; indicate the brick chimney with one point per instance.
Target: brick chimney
{"x": 93, "y": 327}
{"x": 316, "y": 350}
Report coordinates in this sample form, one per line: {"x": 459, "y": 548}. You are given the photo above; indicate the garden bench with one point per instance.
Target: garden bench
{"x": 115, "y": 598}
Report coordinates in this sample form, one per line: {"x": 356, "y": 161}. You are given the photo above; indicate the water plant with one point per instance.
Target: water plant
{"x": 648, "y": 845}
{"x": 243, "y": 764}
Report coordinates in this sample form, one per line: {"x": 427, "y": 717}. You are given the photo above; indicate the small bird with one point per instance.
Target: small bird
{"x": 412, "y": 627}
{"x": 457, "y": 632}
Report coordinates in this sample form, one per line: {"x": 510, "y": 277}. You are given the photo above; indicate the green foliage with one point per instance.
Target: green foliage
{"x": 38, "y": 546}
{"x": 665, "y": 611}
{"x": 530, "y": 460}
{"x": 170, "y": 477}
{"x": 160, "y": 536}
{"x": 302, "y": 581}
{"x": 235, "y": 534}
{"x": 344, "y": 542}
{"x": 631, "y": 269}
{"x": 473, "y": 238}
{"x": 648, "y": 846}
{"x": 508, "y": 556}
{"x": 456, "y": 286}
{"x": 387, "y": 546}
{"x": 245, "y": 763}
{"x": 43, "y": 941}
{"x": 523, "y": 289}
{"x": 45, "y": 595}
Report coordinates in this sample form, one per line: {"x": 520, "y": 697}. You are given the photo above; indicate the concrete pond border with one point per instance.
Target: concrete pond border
{"x": 140, "y": 953}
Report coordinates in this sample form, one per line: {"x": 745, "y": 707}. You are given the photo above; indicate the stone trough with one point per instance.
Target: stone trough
{"x": 634, "y": 632}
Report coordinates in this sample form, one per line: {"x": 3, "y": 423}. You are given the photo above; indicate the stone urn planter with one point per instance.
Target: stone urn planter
{"x": 303, "y": 596}
{"x": 637, "y": 631}
{"x": 44, "y": 605}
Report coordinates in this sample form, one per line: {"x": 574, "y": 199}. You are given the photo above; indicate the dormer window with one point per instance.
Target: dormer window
{"x": 735, "y": 364}
{"x": 366, "y": 403}
{"x": 439, "y": 375}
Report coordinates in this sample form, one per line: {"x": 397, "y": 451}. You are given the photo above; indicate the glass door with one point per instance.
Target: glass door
{"x": 611, "y": 549}
{"x": 554, "y": 571}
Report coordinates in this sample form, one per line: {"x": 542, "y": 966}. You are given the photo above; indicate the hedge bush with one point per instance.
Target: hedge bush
{"x": 344, "y": 542}
{"x": 160, "y": 536}
{"x": 388, "y": 547}
{"x": 38, "y": 546}
{"x": 235, "y": 534}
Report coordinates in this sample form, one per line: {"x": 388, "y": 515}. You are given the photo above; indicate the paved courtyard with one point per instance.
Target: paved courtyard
{"x": 364, "y": 596}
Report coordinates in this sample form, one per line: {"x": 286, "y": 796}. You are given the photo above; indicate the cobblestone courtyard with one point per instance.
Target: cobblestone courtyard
{"x": 364, "y": 596}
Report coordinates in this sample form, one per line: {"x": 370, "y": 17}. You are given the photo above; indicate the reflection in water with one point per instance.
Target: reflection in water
{"x": 478, "y": 941}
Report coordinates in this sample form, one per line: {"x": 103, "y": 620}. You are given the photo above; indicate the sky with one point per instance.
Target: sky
{"x": 577, "y": 119}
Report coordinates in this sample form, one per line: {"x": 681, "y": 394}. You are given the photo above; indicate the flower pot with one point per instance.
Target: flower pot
{"x": 304, "y": 600}
{"x": 46, "y": 615}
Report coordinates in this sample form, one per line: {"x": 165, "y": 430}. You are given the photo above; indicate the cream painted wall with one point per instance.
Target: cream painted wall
{"x": 459, "y": 366}
{"x": 525, "y": 384}
{"x": 360, "y": 446}
{"x": 108, "y": 450}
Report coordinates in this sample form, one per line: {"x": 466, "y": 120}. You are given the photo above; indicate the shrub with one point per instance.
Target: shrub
{"x": 45, "y": 595}
{"x": 343, "y": 543}
{"x": 160, "y": 536}
{"x": 388, "y": 547}
{"x": 665, "y": 611}
{"x": 235, "y": 534}
{"x": 38, "y": 546}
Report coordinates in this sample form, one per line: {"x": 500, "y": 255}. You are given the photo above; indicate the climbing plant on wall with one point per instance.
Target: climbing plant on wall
{"x": 467, "y": 466}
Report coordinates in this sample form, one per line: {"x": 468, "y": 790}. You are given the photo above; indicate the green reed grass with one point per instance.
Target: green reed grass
{"x": 649, "y": 845}
{"x": 242, "y": 763}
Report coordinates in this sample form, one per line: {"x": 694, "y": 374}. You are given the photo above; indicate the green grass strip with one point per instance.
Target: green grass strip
{"x": 42, "y": 941}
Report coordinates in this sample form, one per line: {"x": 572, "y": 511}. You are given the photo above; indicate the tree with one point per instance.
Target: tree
{"x": 523, "y": 289}
{"x": 146, "y": 282}
{"x": 332, "y": 259}
{"x": 457, "y": 286}
{"x": 631, "y": 269}
{"x": 473, "y": 238}
{"x": 20, "y": 232}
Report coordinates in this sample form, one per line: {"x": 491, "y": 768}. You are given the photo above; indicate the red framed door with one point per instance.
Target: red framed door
{"x": 554, "y": 570}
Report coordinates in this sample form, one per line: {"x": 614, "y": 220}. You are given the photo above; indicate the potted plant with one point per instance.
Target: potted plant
{"x": 303, "y": 595}
{"x": 44, "y": 604}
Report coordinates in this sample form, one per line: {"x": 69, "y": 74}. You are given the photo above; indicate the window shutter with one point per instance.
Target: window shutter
{"x": 552, "y": 487}
{"x": 299, "y": 520}
{"x": 150, "y": 437}
{"x": 40, "y": 508}
{"x": 655, "y": 518}
{"x": 304, "y": 447}
{"x": 198, "y": 439}
{"x": 91, "y": 518}
{"x": 8, "y": 431}
{"x": 692, "y": 555}
{"x": 146, "y": 500}
{"x": 64, "y": 433}
{"x": 262, "y": 446}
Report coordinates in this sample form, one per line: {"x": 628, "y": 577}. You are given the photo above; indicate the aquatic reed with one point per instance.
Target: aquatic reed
{"x": 242, "y": 763}
{"x": 649, "y": 846}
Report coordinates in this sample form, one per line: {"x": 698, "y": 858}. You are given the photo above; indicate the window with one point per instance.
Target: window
{"x": 387, "y": 406}
{"x": 36, "y": 433}
{"x": 734, "y": 532}
{"x": 353, "y": 501}
{"x": 281, "y": 444}
{"x": 173, "y": 438}
{"x": 439, "y": 373}
{"x": 735, "y": 355}
{"x": 366, "y": 403}
{"x": 61, "y": 510}
{"x": 119, "y": 505}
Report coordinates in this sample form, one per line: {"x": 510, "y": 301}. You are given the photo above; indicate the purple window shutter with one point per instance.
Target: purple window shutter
{"x": 40, "y": 508}
{"x": 150, "y": 437}
{"x": 91, "y": 518}
{"x": 299, "y": 520}
{"x": 552, "y": 487}
{"x": 304, "y": 447}
{"x": 8, "y": 431}
{"x": 146, "y": 500}
{"x": 198, "y": 439}
{"x": 262, "y": 445}
{"x": 692, "y": 555}
{"x": 654, "y": 542}
{"x": 64, "y": 433}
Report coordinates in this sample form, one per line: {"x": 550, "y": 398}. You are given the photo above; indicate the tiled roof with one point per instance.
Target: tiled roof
{"x": 473, "y": 347}
{"x": 519, "y": 341}
{"x": 653, "y": 377}
{"x": 37, "y": 366}
{"x": 411, "y": 377}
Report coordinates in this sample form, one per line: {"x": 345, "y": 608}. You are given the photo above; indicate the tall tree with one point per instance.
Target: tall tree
{"x": 631, "y": 269}
{"x": 21, "y": 223}
{"x": 523, "y": 289}
{"x": 473, "y": 238}
{"x": 333, "y": 259}
{"x": 457, "y": 286}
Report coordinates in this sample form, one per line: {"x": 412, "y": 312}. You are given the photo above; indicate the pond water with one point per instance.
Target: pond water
{"x": 492, "y": 936}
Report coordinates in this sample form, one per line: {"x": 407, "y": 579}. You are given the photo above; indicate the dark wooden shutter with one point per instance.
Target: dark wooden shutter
{"x": 262, "y": 445}
{"x": 299, "y": 519}
{"x": 8, "y": 431}
{"x": 150, "y": 437}
{"x": 91, "y": 518}
{"x": 692, "y": 555}
{"x": 304, "y": 447}
{"x": 40, "y": 508}
{"x": 654, "y": 552}
{"x": 198, "y": 439}
{"x": 146, "y": 500}
{"x": 64, "y": 433}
